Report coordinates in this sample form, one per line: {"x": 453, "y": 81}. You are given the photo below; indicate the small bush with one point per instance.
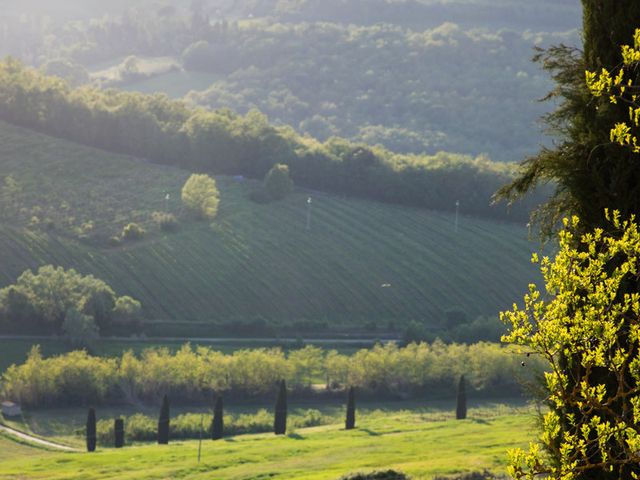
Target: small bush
{"x": 141, "y": 428}
{"x": 484, "y": 475}
{"x": 167, "y": 222}
{"x": 382, "y": 475}
{"x": 132, "y": 232}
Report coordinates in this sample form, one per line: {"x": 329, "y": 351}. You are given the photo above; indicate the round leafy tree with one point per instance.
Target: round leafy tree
{"x": 277, "y": 182}
{"x": 200, "y": 195}
{"x": 587, "y": 327}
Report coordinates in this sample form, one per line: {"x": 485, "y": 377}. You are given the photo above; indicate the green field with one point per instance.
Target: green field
{"x": 254, "y": 260}
{"x": 416, "y": 442}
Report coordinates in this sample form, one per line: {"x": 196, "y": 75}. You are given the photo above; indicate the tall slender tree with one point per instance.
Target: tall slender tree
{"x": 164, "y": 422}
{"x": 461, "y": 403}
{"x": 118, "y": 430}
{"x": 217, "y": 425}
{"x": 280, "y": 418}
{"x": 350, "y": 422}
{"x": 589, "y": 171}
{"x": 91, "y": 430}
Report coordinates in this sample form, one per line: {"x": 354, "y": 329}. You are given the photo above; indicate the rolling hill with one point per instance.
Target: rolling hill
{"x": 360, "y": 261}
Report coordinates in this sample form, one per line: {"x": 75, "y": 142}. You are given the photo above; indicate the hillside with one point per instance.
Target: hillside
{"x": 254, "y": 261}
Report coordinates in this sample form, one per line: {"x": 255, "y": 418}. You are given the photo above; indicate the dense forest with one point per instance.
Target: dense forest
{"x": 222, "y": 142}
{"x": 414, "y": 76}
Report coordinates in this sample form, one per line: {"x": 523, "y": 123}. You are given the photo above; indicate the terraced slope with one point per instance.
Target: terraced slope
{"x": 360, "y": 261}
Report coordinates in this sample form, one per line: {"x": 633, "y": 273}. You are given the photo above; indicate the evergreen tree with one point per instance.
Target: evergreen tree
{"x": 461, "y": 406}
{"x": 350, "y": 422}
{"x": 590, "y": 171}
{"x": 217, "y": 426}
{"x": 280, "y": 419}
{"x": 91, "y": 430}
{"x": 118, "y": 428}
{"x": 163, "y": 422}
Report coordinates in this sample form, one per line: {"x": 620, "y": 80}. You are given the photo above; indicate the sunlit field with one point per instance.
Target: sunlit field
{"x": 420, "y": 442}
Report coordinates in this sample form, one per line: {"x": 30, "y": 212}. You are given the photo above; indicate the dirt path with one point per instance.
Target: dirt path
{"x": 36, "y": 440}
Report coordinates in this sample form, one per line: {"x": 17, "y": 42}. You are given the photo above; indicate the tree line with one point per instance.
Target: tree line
{"x": 376, "y": 71}
{"x": 222, "y": 142}
{"x": 191, "y": 374}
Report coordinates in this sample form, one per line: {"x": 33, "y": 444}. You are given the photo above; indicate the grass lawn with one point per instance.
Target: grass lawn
{"x": 415, "y": 442}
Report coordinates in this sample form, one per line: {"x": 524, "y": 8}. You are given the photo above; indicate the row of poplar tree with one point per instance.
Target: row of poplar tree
{"x": 217, "y": 425}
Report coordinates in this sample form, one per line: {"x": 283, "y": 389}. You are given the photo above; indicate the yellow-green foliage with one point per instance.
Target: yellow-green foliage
{"x": 191, "y": 373}
{"x": 621, "y": 88}
{"x": 587, "y": 329}
{"x": 200, "y": 195}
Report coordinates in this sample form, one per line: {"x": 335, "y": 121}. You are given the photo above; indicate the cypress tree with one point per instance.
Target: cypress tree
{"x": 280, "y": 419}
{"x": 118, "y": 428}
{"x": 217, "y": 426}
{"x": 91, "y": 430}
{"x": 163, "y": 422}
{"x": 350, "y": 422}
{"x": 461, "y": 406}
{"x": 607, "y": 24}
{"x": 590, "y": 172}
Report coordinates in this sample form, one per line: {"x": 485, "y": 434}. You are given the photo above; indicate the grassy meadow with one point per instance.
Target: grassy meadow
{"x": 420, "y": 442}
{"x": 254, "y": 261}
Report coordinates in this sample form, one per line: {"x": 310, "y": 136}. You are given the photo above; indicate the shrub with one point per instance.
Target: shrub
{"x": 142, "y": 428}
{"x": 167, "y": 222}
{"x": 277, "y": 182}
{"x": 132, "y": 232}
{"x": 383, "y": 475}
{"x": 200, "y": 195}
{"x": 484, "y": 475}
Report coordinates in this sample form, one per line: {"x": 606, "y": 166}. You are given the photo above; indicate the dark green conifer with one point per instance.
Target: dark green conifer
{"x": 163, "y": 422}
{"x": 217, "y": 426}
{"x": 461, "y": 407}
{"x": 118, "y": 428}
{"x": 280, "y": 419}
{"x": 607, "y": 24}
{"x": 91, "y": 430}
{"x": 350, "y": 422}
